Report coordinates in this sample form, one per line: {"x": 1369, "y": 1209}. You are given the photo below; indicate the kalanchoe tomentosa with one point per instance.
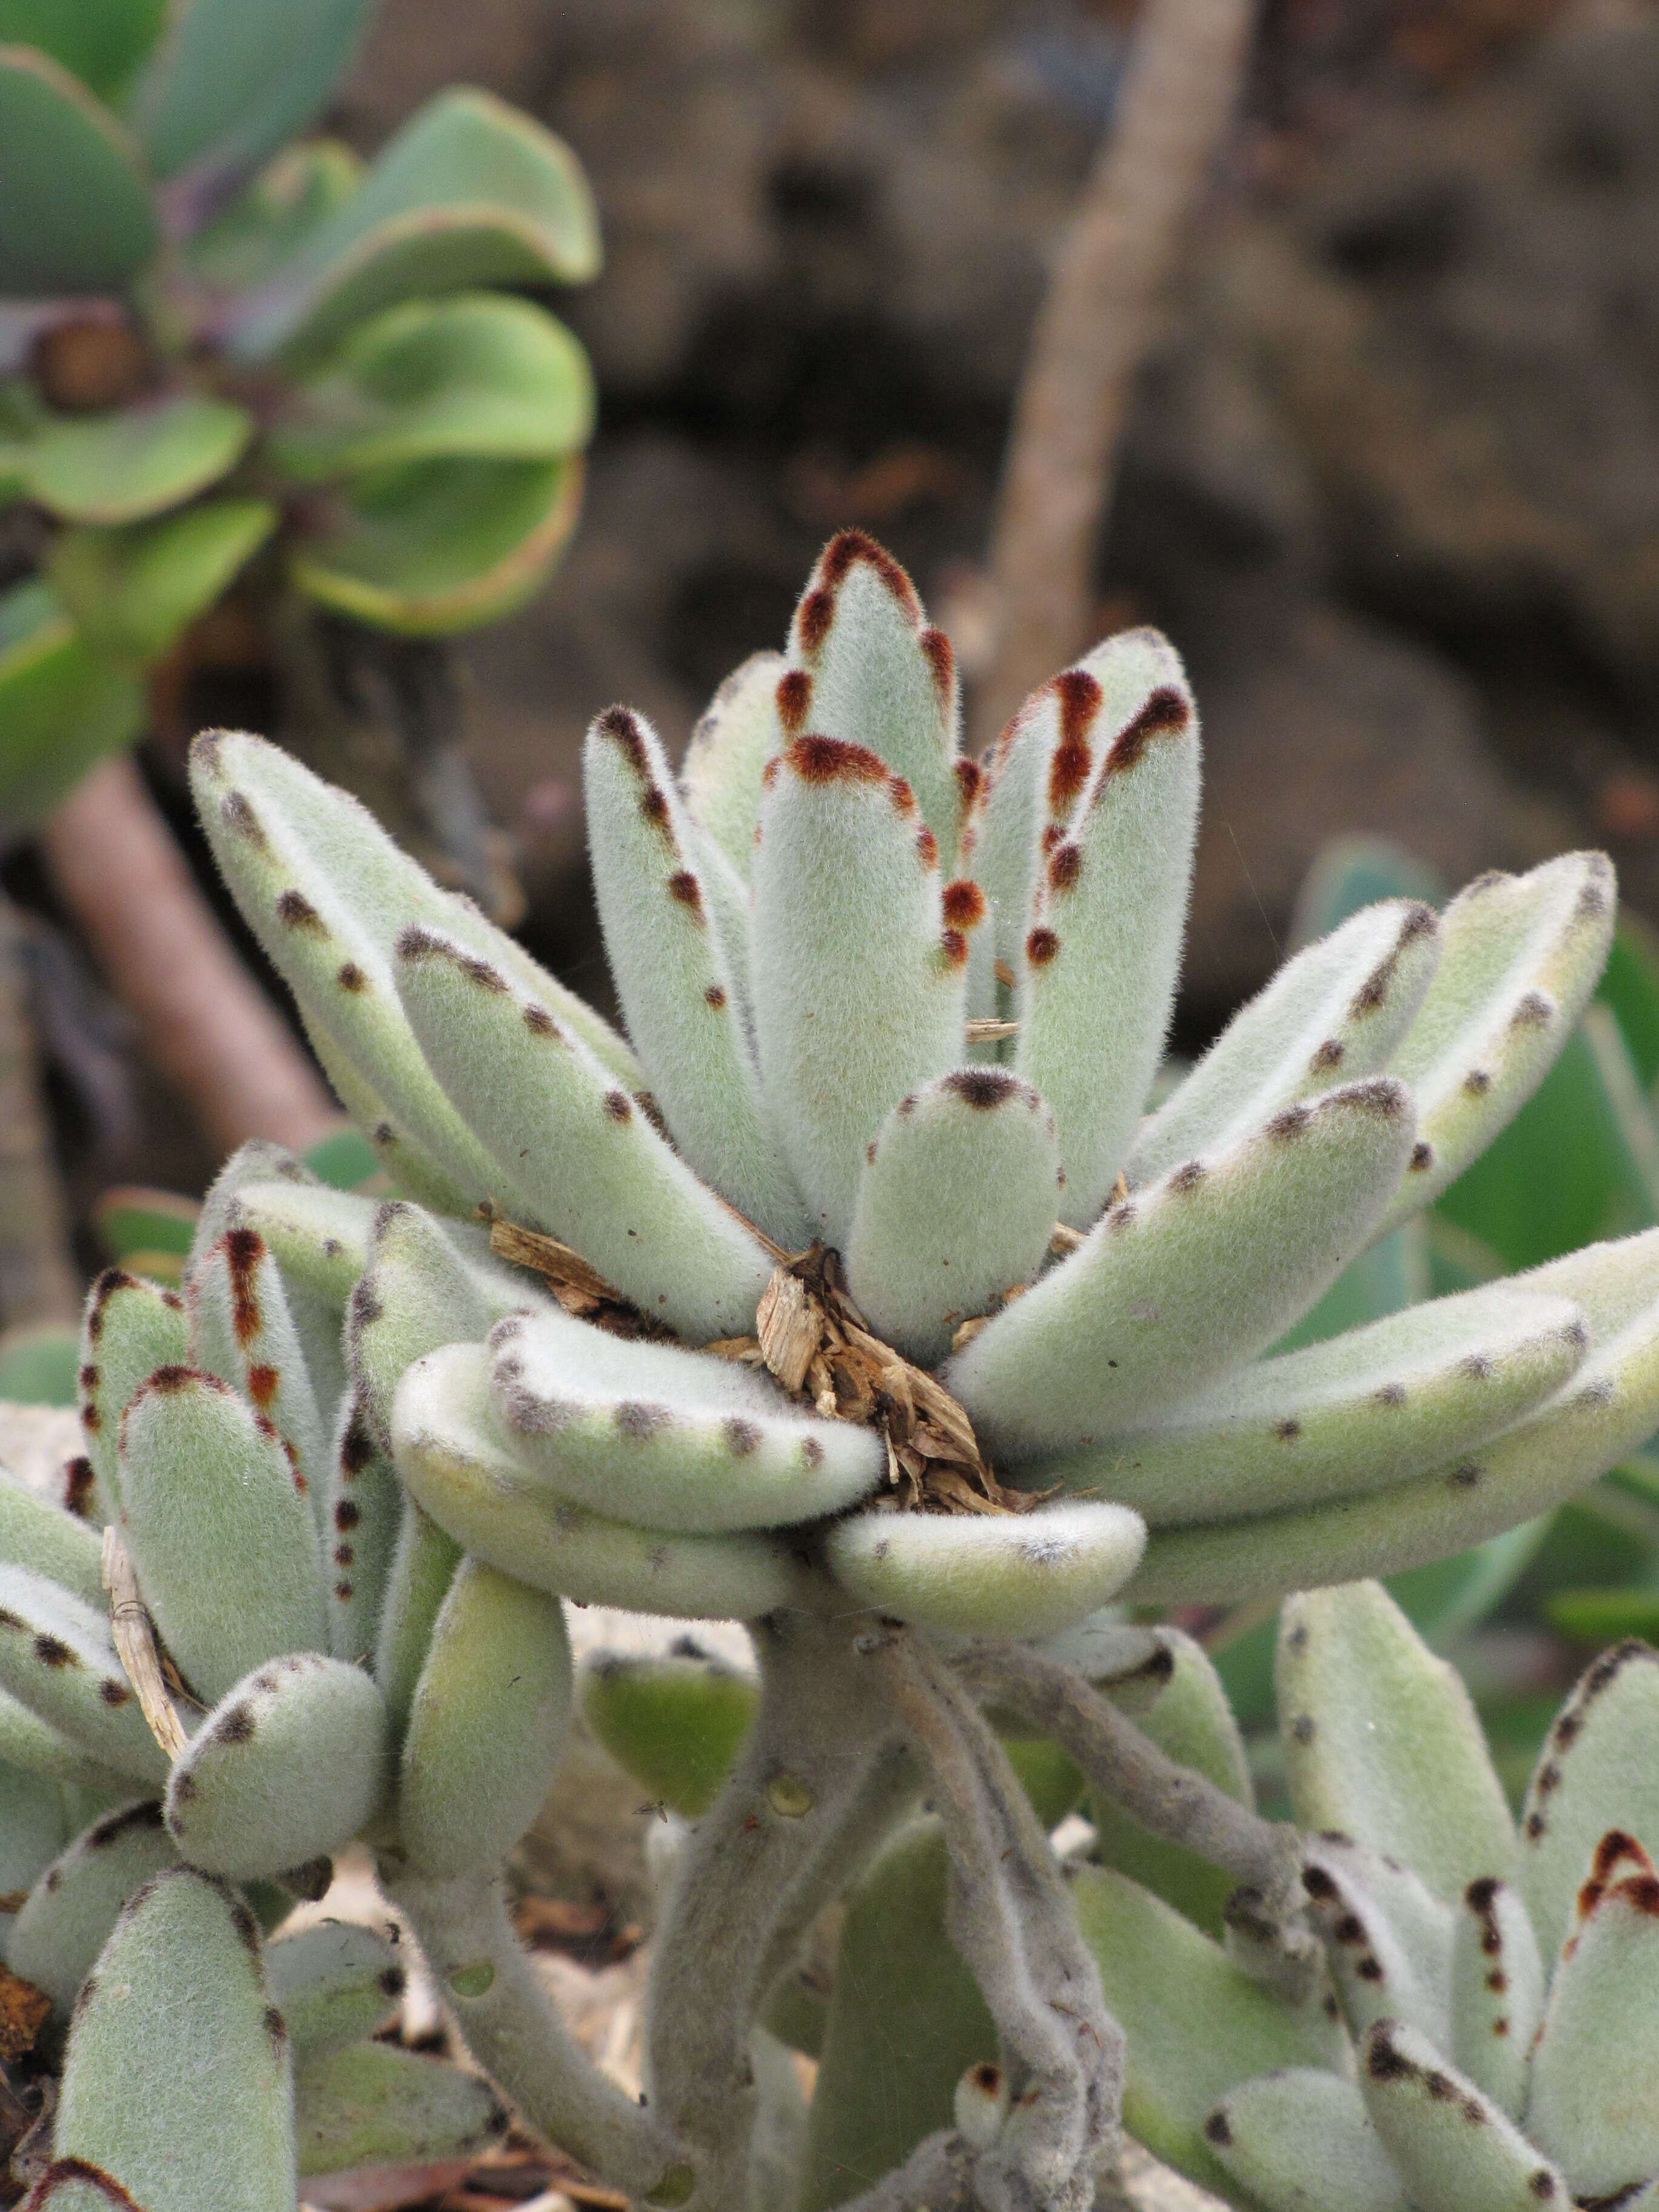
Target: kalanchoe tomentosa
{"x": 874, "y": 1314}
{"x": 1496, "y": 1980}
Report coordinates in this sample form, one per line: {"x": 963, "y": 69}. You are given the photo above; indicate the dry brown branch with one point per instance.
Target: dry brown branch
{"x": 1095, "y": 329}
{"x": 38, "y": 1277}
{"x": 206, "y": 1024}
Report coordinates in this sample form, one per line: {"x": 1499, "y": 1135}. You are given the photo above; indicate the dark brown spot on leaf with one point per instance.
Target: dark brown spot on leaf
{"x": 964, "y": 903}
{"x": 619, "y": 1105}
{"x": 1165, "y": 714}
{"x": 621, "y": 725}
{"x": 1041, "y": 946}
{"x": 350, "y": 977}
{"x": 981, "y": 1087}
{"x": 296, "y": 910}
{"x": 832, "y": 760}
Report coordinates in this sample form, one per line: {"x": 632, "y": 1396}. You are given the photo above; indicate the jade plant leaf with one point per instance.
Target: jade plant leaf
{"x": 132, "y": 462}
{"x": 99, "y": 41}
{"x": 440, "y": 545}
{"x": 133, "y": 589}
{"x": 477, "y": 376}
{"x": 272, "y": 216}
{"x": 79, "y": 216}
{"x": 62, "y": 706}
{"x": 468, "y": 193}
{"x": 228, "y": 82}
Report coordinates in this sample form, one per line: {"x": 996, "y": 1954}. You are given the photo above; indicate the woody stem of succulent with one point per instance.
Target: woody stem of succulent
{"x": 1264, "y": 1856}
{"x": 819, "y": 1781}
{"x": 208, "y": 1027}
{"x": 1009, "y": 1915}
{"x": 512, "y": 2028}
{"x": 1097, "y": 325}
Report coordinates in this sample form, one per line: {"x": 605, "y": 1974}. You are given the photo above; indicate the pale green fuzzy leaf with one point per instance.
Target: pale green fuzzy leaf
{"x": 1024, "y": 790}
{"x": 1356, "y": 1413}
{"x": 241, "y": 1331}
{"x": 375, "y": 2105}
{"x": 222, "y": 1534}
{"x": 1095, "y": 974}
{"x": 460, "y": 1465}
{"x": 1183, "y": 1282}
{"x": 859, "y": 997}
{"x": 38, "y": 1534}
{"x": 1454, "y": 2150}
{"x": 335, "y": 1982}
{"x": 676, "y": 1723}
{"x": 478, "y": 374}
{"x": 133, "y": 589}
{"x": 1519, "y": 957}
{"x": 1497, "y": 1992}
{"x": 469, "y": 193}
{"x": 422, "y": 1567}
{"x": 33, "y": 1747}
{"x": 285, "y": 1768}
{"x": 1196, "y": 2025}
{"x": 674, "y": 979}
{"x": 197, "y": 2118}
{"x": 121, "y": 466}
{"x": 432, "y": 547}
{"x": 572, "y": 1148}
{"x": 737, "y": 734}
{"x": 1381, "y": 1739}
{"x": 67, "y": 1916}
{"x": 228, "y": 84}
{"x": 79, "y": 215}
{"x": 728, "y": 895}
{"x": 272, "y": 216}
{"x": 57, "y": 1658}
{"x": 1332, "y": 1014}
{"x": 905, "y": 2021}
{"x": 868, "y": 670}
{"x": 1302, "y": 2140}
{"x": 955, "y": 1205}
{"x": 662, "y": 1437}
{"x": 280, "y": 835}
{"x": 1611, "y": 1405}
{"x": 487, "y": 1725}
{"x": 408, "y": 1165}
{"x": 129, "y": 1329}
{"x": 1596, "y": 1773}
{"x": 417, "y": 1292}
{"x": 363, "y": 1510}
{"x": 318, "y": 1237}
{"x": 1024, "y": 1574}
{"x": 256, "y": 1162}
{"x": 1388, "y": 1938}
{"x": 1191, "y": 1722}
{"x": 33, "y": 1828}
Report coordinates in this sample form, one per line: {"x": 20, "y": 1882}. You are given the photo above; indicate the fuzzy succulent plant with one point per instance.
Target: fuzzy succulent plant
{"x": 1479, "y": 2027}
{"x": 852, "y": 1294}
{"x": 217, "y": 345}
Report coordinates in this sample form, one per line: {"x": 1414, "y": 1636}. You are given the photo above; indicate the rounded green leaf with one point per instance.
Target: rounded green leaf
{"x": 232, "y": 81}
{"x": 375, "y": 2105}
{"x": 36, "y": 1364}
{"x": 675, "y": 1722}
{"x": 336, "y": 1981}
{"x": 132, "y": 589}
{"x": 79, "y": 216}
{"x": 440, "y": 546}
{"x": 133, "y": 461}
{"x": 68, "y": 1915}
{"x": 178, "y": 2079}
{"x": 270, "y": 219}
{"x": 62, "y": 705}
{"x": 468, "y": 193}
{"x": 99, "y": 41}
{"x": 477, "y": 376}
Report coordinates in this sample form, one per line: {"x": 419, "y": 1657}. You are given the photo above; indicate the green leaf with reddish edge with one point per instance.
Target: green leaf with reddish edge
{"x": 475, "y": 375}
{"x": 99, "y": 41}
{"x": 223, "y": 1540}
{"x": 272, "y": 216}
{"x": 438, "y": 546}
{"x": 135, "y": 588}
{"x": 79, "y": 215}
{"x": 199, "y": 2119}
{"x": 228, "y": 84}
{"x": 132, "y": 462}
{"x": 469, "y": 193}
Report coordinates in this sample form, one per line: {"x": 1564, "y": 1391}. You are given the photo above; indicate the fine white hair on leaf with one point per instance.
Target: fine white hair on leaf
{"x": 57, "y": 1657}
{"x": 737, "y": 734}
{"x": 1497, "y": 1991}
{"x": 1303, "y": 2138}
{"x": 1451, "y": 2146}
{"x": 242, "y": 1329}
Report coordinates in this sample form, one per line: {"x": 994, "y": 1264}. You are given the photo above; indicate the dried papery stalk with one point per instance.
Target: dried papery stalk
{"x": 1095, "y": 328}
{"x": 1010, "y": 1918}
{"x": 814, "y": 1790}
{"x": 579, "y": 1289}
{"x": 134, "y": 1640}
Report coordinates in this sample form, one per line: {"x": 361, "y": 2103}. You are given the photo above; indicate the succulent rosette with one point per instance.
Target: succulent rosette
{"x": 869, "y": 1260}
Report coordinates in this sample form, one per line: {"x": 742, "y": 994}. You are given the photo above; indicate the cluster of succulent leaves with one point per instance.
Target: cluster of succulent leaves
{"x": 221, "y": 346}
{"x": 882, "y": 1004}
